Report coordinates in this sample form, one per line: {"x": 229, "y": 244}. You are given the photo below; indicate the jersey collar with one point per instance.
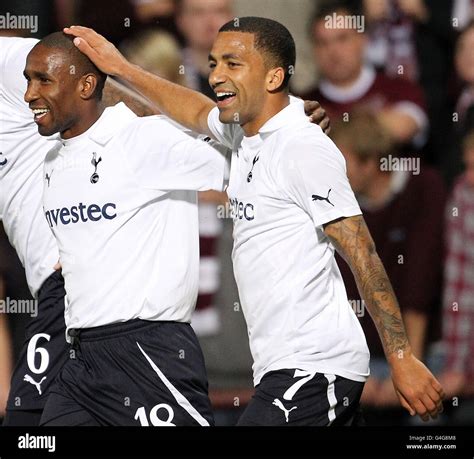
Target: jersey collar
{"x": 112, "y": 121}
{"x": 101, "y": 132}
{"x": 290, "y": 115}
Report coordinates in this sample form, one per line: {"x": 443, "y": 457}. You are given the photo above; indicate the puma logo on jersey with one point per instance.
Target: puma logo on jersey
{"x": 95, "y": 162}
{"x": 29, "y": 379}
{"x": 249, "y": 177}
{"x": 3, "y": 162}
{"x": 320, "y": 198}
{"x": 280, "y": 405}
{"x": 48, "y": 177}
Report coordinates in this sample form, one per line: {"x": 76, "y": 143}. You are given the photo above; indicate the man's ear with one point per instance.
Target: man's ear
{"x": 275, "y": 79}
{"x": 88, "y": 85}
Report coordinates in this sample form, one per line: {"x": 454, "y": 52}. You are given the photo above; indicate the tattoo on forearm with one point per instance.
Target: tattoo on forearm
{"x": 352, "y": 240}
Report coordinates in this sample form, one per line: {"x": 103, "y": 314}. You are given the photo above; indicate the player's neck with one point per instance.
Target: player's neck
{"x": 274, "y": 104}
{"x": 87, "y": 119}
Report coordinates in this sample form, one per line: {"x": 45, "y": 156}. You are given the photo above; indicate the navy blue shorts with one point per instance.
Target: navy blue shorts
{"x": 302, "y": 398}
{"x": 44, "y": 352}
{"x": 137, "y": 373}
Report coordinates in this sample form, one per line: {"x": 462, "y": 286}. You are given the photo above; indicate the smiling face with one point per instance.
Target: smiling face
{"x": 53, "y": 91}
{"x": 239, "y": 78}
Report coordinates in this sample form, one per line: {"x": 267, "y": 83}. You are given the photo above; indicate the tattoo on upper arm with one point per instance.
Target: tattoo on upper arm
{"x": 353, "y": 241}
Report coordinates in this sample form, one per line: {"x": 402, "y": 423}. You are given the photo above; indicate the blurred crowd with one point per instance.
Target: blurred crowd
{"x": 397, "y": 80}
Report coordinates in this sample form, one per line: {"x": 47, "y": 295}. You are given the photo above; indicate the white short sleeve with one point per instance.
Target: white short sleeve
{"x": 13, "y": 54}
{"x": 314, "y": 172}
{"x": 165, "y": 158}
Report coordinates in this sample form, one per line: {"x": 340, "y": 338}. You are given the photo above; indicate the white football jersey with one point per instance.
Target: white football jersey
{"x": 285, "y": 183}
{"x": 121, "y": 200}
{"x": 22, "y": 151}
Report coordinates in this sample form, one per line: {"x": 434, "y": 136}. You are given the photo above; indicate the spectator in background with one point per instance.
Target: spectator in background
{"x": 153, "y": 11}
{"x": 116, "y": 20}
{"x": 434, "y": 38}
{"x": 158, "y": 52}
{"x": 458, "y": 304}
{"x": 347, "y": 83}
{"x": 391, "y": 35}
{"x": 119, "y": 20}
{"x": 414, "y": 39}
{"x": 199, "y": 22}
{"x": 155, "y": 15}
{"x": 404, "y": 213}
{"x": 463, "y": 117}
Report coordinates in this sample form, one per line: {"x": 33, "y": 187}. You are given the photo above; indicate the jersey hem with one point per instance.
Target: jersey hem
{"x": 318, "y": 369}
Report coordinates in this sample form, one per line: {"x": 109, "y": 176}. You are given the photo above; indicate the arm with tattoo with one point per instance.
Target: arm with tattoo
{"x": 352, "y": 240}
{"x": 417, "y": 389}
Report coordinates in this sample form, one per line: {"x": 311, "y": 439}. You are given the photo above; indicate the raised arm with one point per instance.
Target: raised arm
{"x": 417, "y": 389}
{"x": 187, "y": 107}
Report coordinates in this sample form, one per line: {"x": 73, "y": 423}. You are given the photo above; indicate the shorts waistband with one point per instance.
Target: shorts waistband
{"x": 53, "y": 280}
{"x": 113, "y": 330}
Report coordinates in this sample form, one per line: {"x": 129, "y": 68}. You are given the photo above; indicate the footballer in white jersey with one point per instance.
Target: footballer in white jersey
{"x": 293, "y": 207}
{"x": 21, "y": 171}
{"x": 120, "y": 197}
{"x": 21, "y": 209}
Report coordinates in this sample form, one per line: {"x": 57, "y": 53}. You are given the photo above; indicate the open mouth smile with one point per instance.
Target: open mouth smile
{"x": 39, "y": 113}
{"x": 225, "y": 98}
